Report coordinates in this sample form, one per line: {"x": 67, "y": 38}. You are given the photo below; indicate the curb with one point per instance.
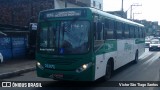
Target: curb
{"x": 15, "y": 73}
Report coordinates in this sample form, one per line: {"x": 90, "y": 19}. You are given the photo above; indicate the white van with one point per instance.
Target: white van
{"x": 154, "y": 44}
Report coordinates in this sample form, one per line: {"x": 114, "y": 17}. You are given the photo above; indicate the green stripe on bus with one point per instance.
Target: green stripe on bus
{"x": 108, "y": 46}
{"x": 139, "y": 41}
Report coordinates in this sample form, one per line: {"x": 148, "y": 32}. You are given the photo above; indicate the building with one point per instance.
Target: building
{"x": 96, "y": 4}
{"x": 151, "y": 27}
{"x": 70, "y": 3}
{"x": 24, "y": 12}
{"x": 79, "y": 3}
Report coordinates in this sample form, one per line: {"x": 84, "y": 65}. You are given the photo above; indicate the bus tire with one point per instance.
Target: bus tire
{"x": 108, "y": 71}
{"x": 136, "y": 57}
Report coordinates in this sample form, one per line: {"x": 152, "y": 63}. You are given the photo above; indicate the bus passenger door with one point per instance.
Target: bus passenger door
{"x": 99, "y": 50}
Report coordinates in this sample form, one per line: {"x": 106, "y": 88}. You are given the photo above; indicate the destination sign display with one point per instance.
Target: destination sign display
{"x": 66, "y": 13}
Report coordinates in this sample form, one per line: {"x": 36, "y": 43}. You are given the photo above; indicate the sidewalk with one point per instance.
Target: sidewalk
{"x": 12, "y": 68}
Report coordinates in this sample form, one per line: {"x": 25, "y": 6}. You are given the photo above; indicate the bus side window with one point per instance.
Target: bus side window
{"x": 131, "y": 31}
{"x": 126, "y": 31}
{"x": 119, "y": 30}
{"x": 106, "y": 28}
{"x": 98, "y": 40}
{"x": 143, "y": 31}
{"x": 98, "y": 29}
{"x": 94, "y": 29}
{"x": 140, "y": 32}
{"x": 115, "y": 29}
{"x": 136, "y": 32}
{"x": 110, "y": 32}
{"x": 123, "y": 29}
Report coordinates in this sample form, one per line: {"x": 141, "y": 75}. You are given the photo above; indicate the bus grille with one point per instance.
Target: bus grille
{"x": 62, "y": 62}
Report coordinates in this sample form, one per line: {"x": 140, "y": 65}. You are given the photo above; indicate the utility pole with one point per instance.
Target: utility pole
{"x": 122, "y": 11}
{"x": 122, "y": 6}
{"x": 132, "y": 9}
{"x": 135, "y": 13}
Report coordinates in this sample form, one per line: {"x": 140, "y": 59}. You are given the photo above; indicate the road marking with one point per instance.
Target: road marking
{"x": 145, "y": 54}
{"x": 153, "y": 59}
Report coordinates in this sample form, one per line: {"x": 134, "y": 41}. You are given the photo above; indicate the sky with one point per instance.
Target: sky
{"x": 149, "y": 9}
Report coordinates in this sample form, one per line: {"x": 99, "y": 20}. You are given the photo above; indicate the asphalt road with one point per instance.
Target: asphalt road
{"x": 147, "y": 69}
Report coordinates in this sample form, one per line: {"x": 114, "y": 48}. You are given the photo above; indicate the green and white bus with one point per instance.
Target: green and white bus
{"x": 85, "y": 44}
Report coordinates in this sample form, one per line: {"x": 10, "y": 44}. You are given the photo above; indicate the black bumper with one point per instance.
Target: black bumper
{"x": 154, "y": 48}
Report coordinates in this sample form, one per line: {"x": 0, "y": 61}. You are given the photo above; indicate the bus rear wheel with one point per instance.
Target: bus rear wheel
{"x": 136, "y": 57}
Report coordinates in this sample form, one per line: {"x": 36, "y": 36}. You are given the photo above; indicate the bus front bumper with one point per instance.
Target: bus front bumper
{"x": 86, "y": 75}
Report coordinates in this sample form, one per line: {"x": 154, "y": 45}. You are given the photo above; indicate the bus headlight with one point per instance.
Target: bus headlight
{"x": 83, "y": 67}
{"x": 40, "y": 66}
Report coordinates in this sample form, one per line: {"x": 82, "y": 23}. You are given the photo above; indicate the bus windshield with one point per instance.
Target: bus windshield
{"x": 64, "y": 37}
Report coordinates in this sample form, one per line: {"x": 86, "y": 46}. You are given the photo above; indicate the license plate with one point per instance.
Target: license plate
{"x": 58, "y": 75}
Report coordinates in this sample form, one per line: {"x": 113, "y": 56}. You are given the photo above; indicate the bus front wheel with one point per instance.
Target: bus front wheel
{"x": 108, "y": 71}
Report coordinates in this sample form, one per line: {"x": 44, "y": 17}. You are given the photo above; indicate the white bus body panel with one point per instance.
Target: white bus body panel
{"x": 126, "y": 50}
{"x": 101, "y": 62}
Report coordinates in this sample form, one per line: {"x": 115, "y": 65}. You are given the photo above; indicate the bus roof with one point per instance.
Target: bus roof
{"x": 105, "y": 14}
{"x": 114, "y": 17}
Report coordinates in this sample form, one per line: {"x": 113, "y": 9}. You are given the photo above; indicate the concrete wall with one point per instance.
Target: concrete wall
{"x": 97, "y": 3}
{"x": 88, "y": 2}
{"x": 61, "y": 4}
